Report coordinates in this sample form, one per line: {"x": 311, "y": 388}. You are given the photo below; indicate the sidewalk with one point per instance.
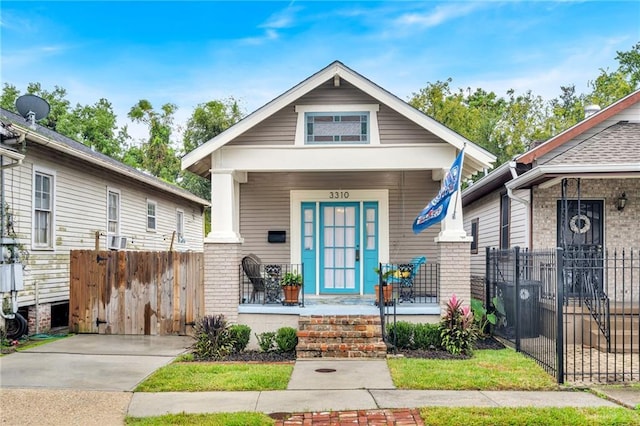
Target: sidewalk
{"x": 328, "y": 385}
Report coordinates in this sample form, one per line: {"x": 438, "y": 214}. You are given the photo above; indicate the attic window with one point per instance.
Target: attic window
{"x": 339, "y": 127}
{"x": 337, "y": 124}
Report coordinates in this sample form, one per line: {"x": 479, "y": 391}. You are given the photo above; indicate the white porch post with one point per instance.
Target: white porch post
{"x": 225, "y": 206}
{"x": 454, "y": 254}
{"x": 223, "y": 246}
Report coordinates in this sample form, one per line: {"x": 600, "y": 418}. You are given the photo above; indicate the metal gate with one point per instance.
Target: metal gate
{"x": 135, "y": 292}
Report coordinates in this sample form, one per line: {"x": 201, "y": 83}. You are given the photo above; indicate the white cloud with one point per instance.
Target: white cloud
{"x": 437, "y": 16}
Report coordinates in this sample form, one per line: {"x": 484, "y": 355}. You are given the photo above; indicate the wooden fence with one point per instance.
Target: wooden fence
{"x": 135, "y": 292}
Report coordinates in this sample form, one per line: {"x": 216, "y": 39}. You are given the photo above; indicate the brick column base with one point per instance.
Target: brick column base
{"x": 455, "y": 271}
{"x": 222, "y": 279}
{"x": 43, "y": 317}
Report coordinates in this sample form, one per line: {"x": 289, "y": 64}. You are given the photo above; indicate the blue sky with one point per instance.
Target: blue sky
{"x": 192, "y": 52}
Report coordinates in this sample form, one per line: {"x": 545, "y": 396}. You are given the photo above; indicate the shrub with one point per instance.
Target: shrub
{"x": 401, "y": 334}
{"x": 426, "y": 336}
{"x": 481, "y": 318}
{"x": 457, "y": 330}
{"x": 266, "y": 341}
{"x": 213, "y": 340}
{"x": 286, "y": 339}
{"x": 240, "y": 335}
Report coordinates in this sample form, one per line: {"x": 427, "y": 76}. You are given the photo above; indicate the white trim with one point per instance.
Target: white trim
{"x": 52, "y": 232}
{"x": 155, "y": 216}
{"x": 336, "y": 157}
{"x": 372, "y": 109}
{"x": 115, "y": 191}
{"x": 360, "y": 196}
{"x": 180, "y": 224}
{"x": 585, "y": 171}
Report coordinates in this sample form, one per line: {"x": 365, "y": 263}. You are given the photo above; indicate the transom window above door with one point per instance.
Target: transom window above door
{"x": 340, "y": 127}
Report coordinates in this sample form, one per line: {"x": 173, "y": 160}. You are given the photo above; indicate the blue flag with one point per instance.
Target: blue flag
{"x": 436, "y": 210}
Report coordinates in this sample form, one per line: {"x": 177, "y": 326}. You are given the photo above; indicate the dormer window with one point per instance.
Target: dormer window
{"x": 338, "y": 127}
{"x": 344, "y": 124}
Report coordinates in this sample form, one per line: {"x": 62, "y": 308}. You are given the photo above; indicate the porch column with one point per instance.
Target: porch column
{"x": 454, "y": 255}
{"x": 225, "y": 206}
{"x": 455, "y": 271}
{"x": 223, "y": 246}
{"x": 222, "y": 279}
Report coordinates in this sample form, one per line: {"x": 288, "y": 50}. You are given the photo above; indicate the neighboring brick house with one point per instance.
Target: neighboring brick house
{"x": 581, "y": 187}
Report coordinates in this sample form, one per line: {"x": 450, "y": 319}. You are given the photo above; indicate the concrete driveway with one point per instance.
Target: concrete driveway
{"x": 90, "y": 362}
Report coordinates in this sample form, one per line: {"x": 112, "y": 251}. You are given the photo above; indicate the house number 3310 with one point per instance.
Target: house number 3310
{"x": 335, "y": 195}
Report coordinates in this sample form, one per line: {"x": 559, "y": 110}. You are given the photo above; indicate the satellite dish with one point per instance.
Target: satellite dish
{"x": 33, "y": 108}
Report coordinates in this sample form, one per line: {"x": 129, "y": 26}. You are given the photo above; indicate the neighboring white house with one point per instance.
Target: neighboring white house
{"x": 339, "y": 168}
{"x": 60, "y": 196}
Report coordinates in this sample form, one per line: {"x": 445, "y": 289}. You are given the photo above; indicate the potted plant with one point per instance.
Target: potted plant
{"x": 387, "y": 289}
{"x": 291, "y": 283}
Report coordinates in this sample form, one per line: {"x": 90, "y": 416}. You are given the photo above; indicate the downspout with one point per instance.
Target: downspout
{"x": 511, "y": 195}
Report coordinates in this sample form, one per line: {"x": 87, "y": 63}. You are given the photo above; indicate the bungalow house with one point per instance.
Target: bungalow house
{"x": 579, "y": 191}
{"x": 330, "y": 176}
{"x": 60, "y": 195}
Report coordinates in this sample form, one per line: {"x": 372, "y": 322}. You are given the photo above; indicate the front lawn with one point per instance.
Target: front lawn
{"x": 217, "y": 376}
{"x": 502, "y": 369}
{"x": 216, "y": 419}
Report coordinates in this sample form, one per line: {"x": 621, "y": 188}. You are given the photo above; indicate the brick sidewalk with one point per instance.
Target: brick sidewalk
{"x": 398, "y": 417}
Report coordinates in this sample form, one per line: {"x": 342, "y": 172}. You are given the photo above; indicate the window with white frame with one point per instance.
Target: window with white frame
{"x": 180, "y": 226}
{"x": 113, "y": 212}
{"x": 337, "y": 124}
{"x": 337, "y": 127}
{"x": 43, "y": 184}
{"x": 152, "y": 207}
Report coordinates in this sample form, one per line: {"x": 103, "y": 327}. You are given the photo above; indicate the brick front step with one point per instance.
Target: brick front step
{"x": 340, "y": 336}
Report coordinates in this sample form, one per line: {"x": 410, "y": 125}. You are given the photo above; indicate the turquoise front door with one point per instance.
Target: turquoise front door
{"x": 342, "y": 257}
{"x": 339, "y": 248}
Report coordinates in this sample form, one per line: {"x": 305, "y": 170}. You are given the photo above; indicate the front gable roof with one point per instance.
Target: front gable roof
{"x": 199, "y": 160}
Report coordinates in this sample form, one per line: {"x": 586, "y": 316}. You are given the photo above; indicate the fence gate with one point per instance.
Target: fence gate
{"x": 135, "y": 292}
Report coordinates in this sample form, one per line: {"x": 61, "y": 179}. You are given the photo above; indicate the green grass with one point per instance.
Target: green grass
{"x": 29, "y": 342}
{"x": 217, "y": 419}
{"x": 502, "y": 369}
{"x": 215, "y": 376}
{"x": 434, "y": 416}
{"x": 566, "y": 416}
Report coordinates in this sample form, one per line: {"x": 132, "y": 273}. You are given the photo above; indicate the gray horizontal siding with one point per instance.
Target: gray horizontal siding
{"x": 279, "y": 129}
{"x": 264, "y": 205}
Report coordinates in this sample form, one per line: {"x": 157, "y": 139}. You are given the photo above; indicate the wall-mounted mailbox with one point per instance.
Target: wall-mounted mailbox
{"x": 277, "y": 236}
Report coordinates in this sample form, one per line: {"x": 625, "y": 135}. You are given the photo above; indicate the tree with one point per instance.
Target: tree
{"x": 159, "y": 157}
{"x": 8, "y": 97}
{"x": 608, "y": 87}
{"x": 207, "y": 121}
{"x": 95, "y": 126}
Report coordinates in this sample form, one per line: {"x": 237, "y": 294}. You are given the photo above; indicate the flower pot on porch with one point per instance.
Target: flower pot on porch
{"x": 291, "y": 293}
{"x": 387, "y": 294}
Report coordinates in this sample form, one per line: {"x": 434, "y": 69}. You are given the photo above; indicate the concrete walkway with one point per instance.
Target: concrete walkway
{"x": 88, "y": 380}
{"x": 338, "y": 385}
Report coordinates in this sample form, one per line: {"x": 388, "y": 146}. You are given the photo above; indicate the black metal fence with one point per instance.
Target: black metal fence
{"x": 404, "y": 284}
{"x": 263, "y": 283}
{"x": 575, "y": 311}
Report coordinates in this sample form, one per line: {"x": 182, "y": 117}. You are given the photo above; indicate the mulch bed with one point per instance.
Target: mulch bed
{"x": 256, "y": 356}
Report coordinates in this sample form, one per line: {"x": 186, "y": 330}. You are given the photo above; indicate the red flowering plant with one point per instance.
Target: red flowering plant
{"x": 458, "y": 332}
